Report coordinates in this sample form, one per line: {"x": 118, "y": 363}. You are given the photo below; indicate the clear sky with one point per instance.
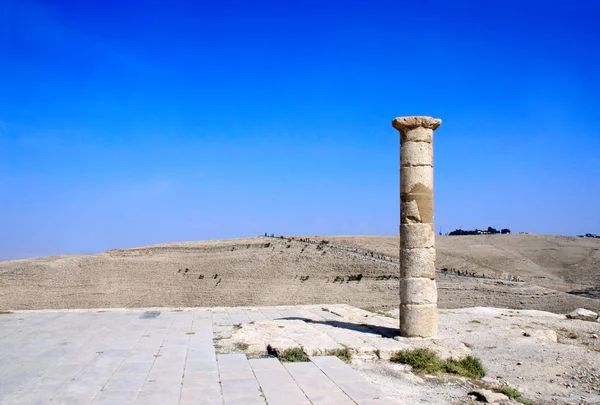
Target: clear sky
{"x": 126, "y": 123}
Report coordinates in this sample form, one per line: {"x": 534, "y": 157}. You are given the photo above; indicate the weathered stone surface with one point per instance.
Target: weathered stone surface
{"x": 544, "y": 335}
{"x": 416, "y": 154}
{"x": 406, "y": 123}
{"x": 583, "y": 314}
{"x": 417, "y": 135}
{"x": 417, "y": 233}
{"x": 409, "y": 213}
{"x": 420, "y": 198}
{"x": 416, "y": 236}
{"x": 411, "y": 176}
{"x": 490, "y": 397}
{"x": 418, "y": 320}
{"x": 418, "y": 291}
{"x": 418, "y": 262}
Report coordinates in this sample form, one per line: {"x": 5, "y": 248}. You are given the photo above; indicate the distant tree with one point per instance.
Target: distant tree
{"x": 505, "y": 231}
{"x": 492, "y": 231}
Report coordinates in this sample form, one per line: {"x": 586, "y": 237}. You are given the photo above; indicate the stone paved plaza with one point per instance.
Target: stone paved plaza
{"x": 169, "y": 356}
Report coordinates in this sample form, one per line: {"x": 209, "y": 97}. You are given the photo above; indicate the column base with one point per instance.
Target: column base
{"x": 418, "y": 320}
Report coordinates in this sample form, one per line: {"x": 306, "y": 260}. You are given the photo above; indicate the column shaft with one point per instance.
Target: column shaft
{"x": 418, "y": 292}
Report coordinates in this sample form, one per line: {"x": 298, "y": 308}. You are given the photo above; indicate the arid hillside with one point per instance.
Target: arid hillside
{"x": 361, "y": 271}
{"x": 561, "y": 262}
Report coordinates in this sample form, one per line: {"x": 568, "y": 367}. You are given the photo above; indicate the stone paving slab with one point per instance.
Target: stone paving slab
{"x": 278, "y": 386}
{"x": 349, "y": 380}
{"x": 167, "y": 356}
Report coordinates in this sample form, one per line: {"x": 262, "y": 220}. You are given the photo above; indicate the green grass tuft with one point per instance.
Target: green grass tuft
{"x": 343, "y": 354}
{"x": 468, "y": 367}
{"x": 512, "y": 394}
{"x": 428, "y": 362}
{"x": 293, "y": 355}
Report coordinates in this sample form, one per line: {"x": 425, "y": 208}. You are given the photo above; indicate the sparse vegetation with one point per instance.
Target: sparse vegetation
{"x": 378, "y": 312}
{"x": 241, "y": 346}
{"x": 428, "y": 362}
{"x": 293, "y": 355}
{"x": 343, "y": 354}
{"x": 6, "y": 312}
{"x": 512, "y": 394}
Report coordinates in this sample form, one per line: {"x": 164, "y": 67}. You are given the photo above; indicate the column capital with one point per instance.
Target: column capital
{"x": 403, "y": 124}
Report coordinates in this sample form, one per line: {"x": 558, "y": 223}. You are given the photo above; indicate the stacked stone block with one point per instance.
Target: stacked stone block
{"x": 418, "y": 291}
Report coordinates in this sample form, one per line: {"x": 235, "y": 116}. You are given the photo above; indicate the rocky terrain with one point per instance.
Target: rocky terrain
{"x": 546, "y": 358}
{"x": 360, "y": 271}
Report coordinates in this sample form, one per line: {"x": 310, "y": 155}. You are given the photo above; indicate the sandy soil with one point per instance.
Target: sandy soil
{"x": 272, "y": 271}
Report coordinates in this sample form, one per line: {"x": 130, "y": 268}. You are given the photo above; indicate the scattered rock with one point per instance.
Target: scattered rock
{"x": 583, "y": 314}
{"x": 490, "y": 397}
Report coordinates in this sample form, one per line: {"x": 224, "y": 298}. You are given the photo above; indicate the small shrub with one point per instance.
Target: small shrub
{"x": 512, "y": 394}
{"x": 468, "y": 367}
{"x": 475, "y": 321}
{"x": 427, "y": 361}
{"x": 6, "y": 312}
{"x": 293, "y": 355}
{"x": 343, "y": 354}
{"x": 421, "y": 360}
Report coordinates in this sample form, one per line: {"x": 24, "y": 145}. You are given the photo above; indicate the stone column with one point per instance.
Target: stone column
{"x": 418, "y": 292}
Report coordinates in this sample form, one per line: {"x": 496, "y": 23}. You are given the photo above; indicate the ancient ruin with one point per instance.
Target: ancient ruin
{"x": 418, "y": 291}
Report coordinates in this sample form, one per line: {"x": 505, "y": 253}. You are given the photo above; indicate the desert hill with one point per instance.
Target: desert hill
{"x": 566, "y": 263}
{"x": 357, "y": 270}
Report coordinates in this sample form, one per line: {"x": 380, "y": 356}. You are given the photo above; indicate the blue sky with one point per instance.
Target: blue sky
{"x": 126, "y": 123}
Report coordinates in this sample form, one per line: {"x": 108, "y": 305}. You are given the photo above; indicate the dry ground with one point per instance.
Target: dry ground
{"x": 273, "y": 271}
